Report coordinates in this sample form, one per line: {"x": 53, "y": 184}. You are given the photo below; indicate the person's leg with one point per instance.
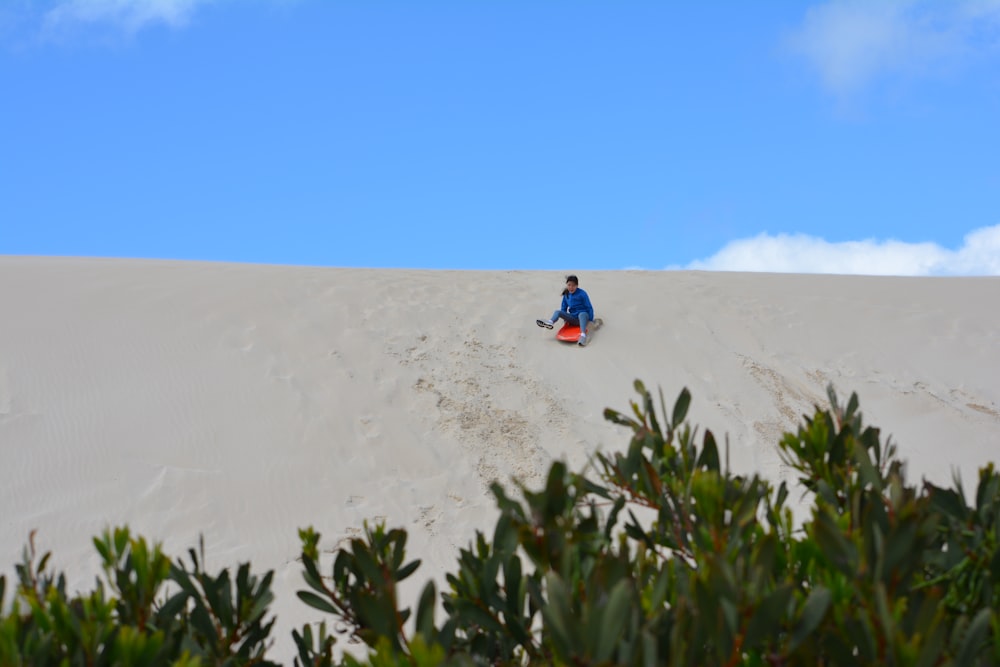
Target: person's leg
{"x": 549, "y": 323}
{"x": 583, "y": 329}
{"x": 556, "y": 316}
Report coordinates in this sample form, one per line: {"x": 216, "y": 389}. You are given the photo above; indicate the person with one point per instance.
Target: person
{"x": 575, "y": 309}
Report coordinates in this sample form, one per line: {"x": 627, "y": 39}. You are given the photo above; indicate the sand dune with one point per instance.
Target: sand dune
{"x": 242, "y": 402}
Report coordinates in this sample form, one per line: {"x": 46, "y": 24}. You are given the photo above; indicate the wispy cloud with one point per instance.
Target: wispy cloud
{"x": 129, "y": 15}
{"x": 852, "y": 43}
{"x": 799, "y": 253}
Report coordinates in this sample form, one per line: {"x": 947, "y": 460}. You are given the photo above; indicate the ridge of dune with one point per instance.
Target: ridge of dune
{"x": 241, "y": 402}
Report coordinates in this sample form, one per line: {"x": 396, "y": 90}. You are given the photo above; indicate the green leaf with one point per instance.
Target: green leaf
{"x": 181, "y": 577}
{"x": 103, "y": 549}
{"x": 768, "y": 619}
{"x": 618, "y": 418}
{"x": 868, "y": 474}
{"x": 899, "y": 545}
{"x": 376, "y": 620}
{"x": 309, "y": 539}
{"x": 842, "y": 553}
{"x": 852, "y": 405}
{"x": 709, "y": 457}
{"x": 975, "y": 639}
{"x": 650, "y": 653}
{"x": 994, "y": 566}
{"x": 614, "y": 615}
{"x": 947, "y": 501}
{"x": 173, "y": 606}
{"x": 650, "y": 411}
{"x": 986, "y": 492}
{"x": 512, "y": 585}
{"x": 882, "y": 610}
{"x": 407, "y": 570}
{"x": 681, "y": 408}
{"x": 316, "y": 602}
{"x": 596, "y": 489}
{"x": 612, "y": 520}
{"x": 311, "y": 574}
{"x": 121, "y": 540}
{"x": 558, "y": 617}
{"x": 366, "y": 563}
{"x": 831, "y": 394}
{"x": 932, "y": 646}
{"x": 471, "y": 614}
{"x": 202, "y": 622}
{"x": 660, "y": 589}
{"x": 262, "y": 600}
{"x": 425, "y": 611}
{"x": 813, "y": 610}
{"x": 635, "y": 531}
{"x": 215, "y": 594}
{"x": 398, "y": 551}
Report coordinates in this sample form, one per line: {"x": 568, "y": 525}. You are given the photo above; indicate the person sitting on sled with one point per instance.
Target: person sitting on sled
{"x": 575, "y": 309}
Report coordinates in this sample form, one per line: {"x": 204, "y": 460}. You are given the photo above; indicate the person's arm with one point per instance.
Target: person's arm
{"x": 587, "y": 304}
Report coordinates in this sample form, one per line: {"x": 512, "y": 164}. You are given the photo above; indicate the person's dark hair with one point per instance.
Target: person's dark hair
{"x": 570, "y": 279}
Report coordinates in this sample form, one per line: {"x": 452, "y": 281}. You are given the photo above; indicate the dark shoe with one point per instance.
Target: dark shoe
{"x": 544, "y": 323}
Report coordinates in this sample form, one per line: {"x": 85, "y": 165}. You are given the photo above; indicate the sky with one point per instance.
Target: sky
{"x": 822, "y": 137}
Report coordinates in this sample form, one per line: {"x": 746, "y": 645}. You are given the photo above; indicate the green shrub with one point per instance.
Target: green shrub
{"x": 145, "y": 611}
{"x": 658, "y": 555}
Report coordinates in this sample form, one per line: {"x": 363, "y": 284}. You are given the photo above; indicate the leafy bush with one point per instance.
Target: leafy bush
{"x": 655, "y": 555}
{"x": 132, "y": 617}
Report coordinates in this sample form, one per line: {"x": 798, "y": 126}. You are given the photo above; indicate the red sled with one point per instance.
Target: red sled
{"x": 570, "y": 333}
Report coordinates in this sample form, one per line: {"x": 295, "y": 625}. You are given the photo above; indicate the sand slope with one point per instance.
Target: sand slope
{"x": 242, "y": 402}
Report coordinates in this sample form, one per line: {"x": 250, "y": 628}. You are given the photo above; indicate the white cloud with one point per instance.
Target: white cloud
{"x": 854, "y": 42}
{"x": 799, "y": 253}
{"x": 130, "y": 15}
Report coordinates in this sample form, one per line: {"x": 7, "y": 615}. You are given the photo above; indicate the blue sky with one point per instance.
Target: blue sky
{"x": 836, "y": 137}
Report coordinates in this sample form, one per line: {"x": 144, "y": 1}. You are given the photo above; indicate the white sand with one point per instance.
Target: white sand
{"x": 242, "y": 402}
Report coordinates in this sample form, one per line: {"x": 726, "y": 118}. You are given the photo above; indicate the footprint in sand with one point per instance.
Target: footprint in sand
{"x": 428, "y": 517}
{"x": 368, "y": 427}
{"x": 972, "y": 402}
{"x": 242, "y": 341}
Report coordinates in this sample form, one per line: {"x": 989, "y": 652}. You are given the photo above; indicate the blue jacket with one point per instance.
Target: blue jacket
{"x": 576, "y": 303}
